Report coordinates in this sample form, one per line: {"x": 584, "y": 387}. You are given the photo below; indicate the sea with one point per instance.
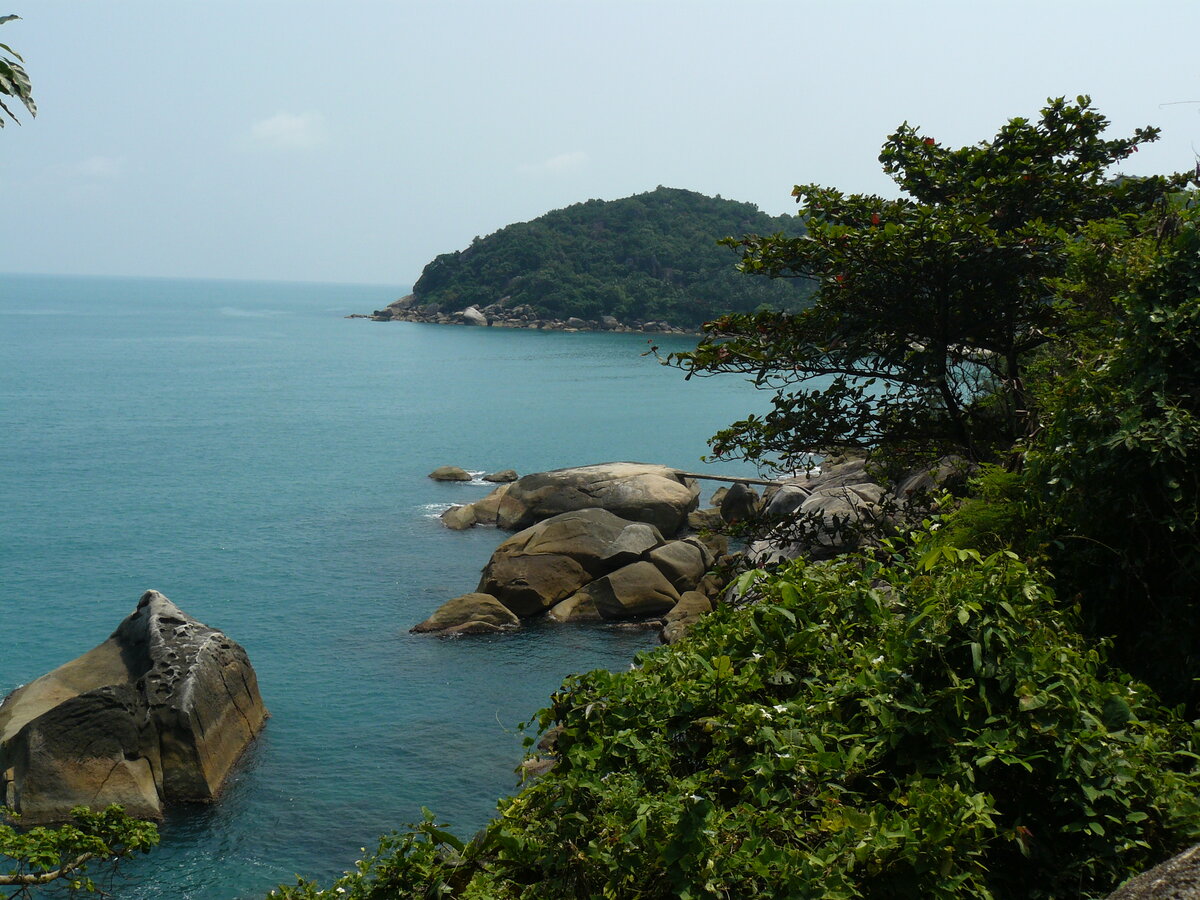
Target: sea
{"x": 262, "y": 460}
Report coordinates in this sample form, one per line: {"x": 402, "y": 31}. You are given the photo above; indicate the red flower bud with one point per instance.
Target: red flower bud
{"x": 874, "y": 218}
{"x": 929, "y": 142}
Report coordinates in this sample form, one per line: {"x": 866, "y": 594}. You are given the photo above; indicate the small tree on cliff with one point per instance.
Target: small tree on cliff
{"x": 927, "y": 307}
{"x": 13, "y": 80}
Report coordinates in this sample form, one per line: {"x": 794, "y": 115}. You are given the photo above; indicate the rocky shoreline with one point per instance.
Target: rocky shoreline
{"x": 499, "y": 315}
{"x": 626, "y": 542}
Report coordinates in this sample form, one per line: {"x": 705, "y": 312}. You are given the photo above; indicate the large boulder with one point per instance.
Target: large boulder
{"x": 472, "y": 316}
{"x": 682, "y": 562}
{"x": 160, "y": 711}
{"x": 636, "y": 591}
{"x": 683, "y": 615}
{"x": 740, "y": 503}
{"x": 529, "y": 584}
{"x": 595, "y": 538}
{"x": 469, "y": 614}
{"x": 656, "y": 495}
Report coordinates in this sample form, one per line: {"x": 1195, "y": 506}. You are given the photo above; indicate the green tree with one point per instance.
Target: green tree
{"x": 929, "y": 303}
{"x": 14, "y": 82}
{"x": 39, "y": 856}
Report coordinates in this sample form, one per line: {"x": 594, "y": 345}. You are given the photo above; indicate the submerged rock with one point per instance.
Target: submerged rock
{"x": 160, "y": 711}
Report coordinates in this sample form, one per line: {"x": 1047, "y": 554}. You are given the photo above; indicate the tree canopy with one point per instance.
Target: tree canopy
{"x": 928, "y": 307}
{"x": 653, "y": 256}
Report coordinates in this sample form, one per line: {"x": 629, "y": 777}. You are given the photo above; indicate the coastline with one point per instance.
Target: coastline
{"x": 497, "y": 315}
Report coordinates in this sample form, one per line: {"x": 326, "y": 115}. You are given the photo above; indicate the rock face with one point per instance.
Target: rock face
{"x": 638, "y": 492}
{"x": 160, "y": 711}
{"x": 826, "y": 514}
{"x": 1176, "y": 879}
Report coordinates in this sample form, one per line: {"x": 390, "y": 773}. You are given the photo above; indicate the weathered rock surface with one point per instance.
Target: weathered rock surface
{"x": 450, "y": 473}
{"x": 740, "y": 502}
{"x": 160, "y": 711}
{"x": 1176, "y": 879}
{"x": 529, "y": 584}
{"x": 469, "y": 614}
{"x": 595, "y": 538}
{"x": 691, "y": 606}
{"x": 579, "y": 607}
{"x": 636, "y": 591}
{"x": 827, "y": 514}
{"x": 656, "y": 495}
{"x": 682, "y": 562}
{"x": 459, "y": 518}
{"x": 472, "y": 316}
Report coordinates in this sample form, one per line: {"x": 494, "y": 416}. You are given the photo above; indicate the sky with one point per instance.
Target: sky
{"x": 352, "y": 142}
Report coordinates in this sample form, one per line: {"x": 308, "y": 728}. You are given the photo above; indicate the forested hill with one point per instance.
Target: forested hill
{"x": 650, "y": 257}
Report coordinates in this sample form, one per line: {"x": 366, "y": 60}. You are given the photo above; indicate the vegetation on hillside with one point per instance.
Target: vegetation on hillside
{"x": 994, "y": 702}
{"x": 650, "y": 257}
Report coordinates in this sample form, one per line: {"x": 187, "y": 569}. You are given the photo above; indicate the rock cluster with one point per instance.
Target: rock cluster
{"x": 500, "y": 315}
{"x": 578, "y": 566}
{"x": 596, "y": 543}
{"x": 160, "y": 711}
{"x": 621, "y": 541}
{"x": 833, "y": 511}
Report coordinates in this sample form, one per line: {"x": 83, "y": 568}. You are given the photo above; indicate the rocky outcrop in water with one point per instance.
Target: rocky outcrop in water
{"x": 581, "y": 565}
{"x": 160, "y": 711}
{"x": 636, "y": 492}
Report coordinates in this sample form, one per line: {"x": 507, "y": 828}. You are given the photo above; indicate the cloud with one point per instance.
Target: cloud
{"x": 557, "y": 165}
{"x": 289, "y": 131}
{"x": 95, "y": 167}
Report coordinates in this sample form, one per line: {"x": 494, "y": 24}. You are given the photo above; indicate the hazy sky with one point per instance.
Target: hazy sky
{"x": 353, "y": 141}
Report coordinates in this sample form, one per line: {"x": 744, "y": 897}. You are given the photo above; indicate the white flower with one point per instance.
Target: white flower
{"x": 780, "y": 708}
{"x": 877, "y": 660}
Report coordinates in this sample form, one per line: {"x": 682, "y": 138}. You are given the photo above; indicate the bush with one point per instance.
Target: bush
{"x": 926, "y": 725}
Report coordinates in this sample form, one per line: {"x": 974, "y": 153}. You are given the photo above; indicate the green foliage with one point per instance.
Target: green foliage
{"x": 1115, "y": 468}
{"x": 926, "y": 725}
{"x": 654, "y": 256}
{"x": 926, "y": 303}
{"x": 41, "y": 855}
{"x": 423, "y": 861}
{"x": 999, "y": 513}
{"x": 14, "y": 82}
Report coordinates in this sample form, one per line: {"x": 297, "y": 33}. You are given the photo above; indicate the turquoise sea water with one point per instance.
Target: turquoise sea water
{"x": 261, "y": 460}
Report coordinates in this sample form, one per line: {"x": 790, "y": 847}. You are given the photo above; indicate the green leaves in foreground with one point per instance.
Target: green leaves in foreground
{"x": 901, "y": 730}
{"x": 929, "y": 725}
{"x": 41, "y": 855}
